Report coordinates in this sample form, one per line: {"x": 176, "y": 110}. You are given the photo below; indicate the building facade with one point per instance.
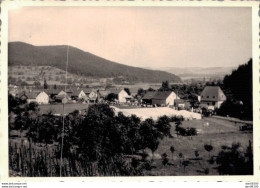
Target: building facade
{"x": 212, "y": 97}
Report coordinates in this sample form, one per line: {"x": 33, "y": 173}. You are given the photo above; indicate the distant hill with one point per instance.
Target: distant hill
{"x": 81, "y": 63}
{"x": 197, "y": 72}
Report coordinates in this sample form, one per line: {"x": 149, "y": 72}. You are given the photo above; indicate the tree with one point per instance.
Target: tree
{"x": 141, "y": 92}
{"x": 150, "y": 89}
{"x": 165, "y": 86}
{"x": 233, "y": 161}
{"x": 37, "y": 84}
{"x": 239, "y": 86}
{"x": 165, "y": 160}
{"x": 172, "y": 150}
{"x": 127, "y": 90}
{"x": 180, "y": 156}
{"x": 196, "y": 153}
{"x": 163, "y": 126}
{"x": 208, "y": 148}
{"x": 45, "y": 85}
{"x": 185, "y": 164}
{"x": 111, "y": 97}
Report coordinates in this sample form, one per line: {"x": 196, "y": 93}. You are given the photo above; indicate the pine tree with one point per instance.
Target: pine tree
{"x": 45, "y": 85}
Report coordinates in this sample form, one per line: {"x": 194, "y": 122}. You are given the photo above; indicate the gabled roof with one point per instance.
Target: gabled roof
{"x": 21, "y": 93}
{"x": 133, "y": 90}
{"x": 69, "y": 91}
{"x": 162, "y": 94}
{"x": 115, "y": 91}
{"x": 62, "y": 96}
{"x": 212, "y": 93}
{"x": 149, "y": 95}
{"x": 32, "y": 95}
{"x": 87, "y": 90}
{"x": 52, "y": 91}
{"x": 76, "y": 92}
{"x": 179, "y": 101}
{"x": 103, "y": 93}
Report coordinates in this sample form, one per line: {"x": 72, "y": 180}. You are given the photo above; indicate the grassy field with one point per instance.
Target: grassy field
{"x": 211, "y": 131}
{"x": 58, "y": 108}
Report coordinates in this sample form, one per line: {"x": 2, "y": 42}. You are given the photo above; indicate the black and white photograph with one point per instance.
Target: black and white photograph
{"x": 115, "y": 91}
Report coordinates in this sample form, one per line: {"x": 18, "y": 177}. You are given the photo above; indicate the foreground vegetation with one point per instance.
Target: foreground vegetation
{"x": 98, "y": 143}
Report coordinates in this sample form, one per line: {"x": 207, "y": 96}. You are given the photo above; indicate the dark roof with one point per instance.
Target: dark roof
{"x": 87, "y": 90}
{"x": 103, "y": 93}
{"x": 69, "y": 91}
{"x": 115, "y": 91}
{"x": 61, "y": 96}
{"x": 212, "y": 93}
{"x": 179, "y": 101}
{"x": 76, "y": 92}
{"x": 162, "y": 94}
{"x": 52, "y": 91}
{"x": 133, "y": 90}
{"x": 149, "y": 95}
{"x": 32, "y": 95}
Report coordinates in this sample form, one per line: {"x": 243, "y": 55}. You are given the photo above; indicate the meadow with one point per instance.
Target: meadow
{"x": 211, "y": 131}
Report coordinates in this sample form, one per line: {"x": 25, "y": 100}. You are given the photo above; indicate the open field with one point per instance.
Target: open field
{"x": 217, "y": 133}
{"x": 58, "y": 108}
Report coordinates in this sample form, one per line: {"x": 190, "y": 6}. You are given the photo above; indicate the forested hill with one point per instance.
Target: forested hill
{"x": 81, "y": 63}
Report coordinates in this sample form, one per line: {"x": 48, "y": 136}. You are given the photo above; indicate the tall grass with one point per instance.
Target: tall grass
{"x": 35, "y": 160}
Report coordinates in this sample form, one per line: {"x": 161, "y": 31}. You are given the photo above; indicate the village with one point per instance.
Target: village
{"x": 210, "y": 99}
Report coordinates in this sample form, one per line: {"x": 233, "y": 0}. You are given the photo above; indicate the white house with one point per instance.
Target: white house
{"x": 78, "y": 94}
{"x": 122, "y": 95}
{"x": 93, "y": 96}
{"x": 164, "y": 98}
{"x": 42, "y": 98}
{"x": 38, "y": 97}
{"x": 212, "y": 97}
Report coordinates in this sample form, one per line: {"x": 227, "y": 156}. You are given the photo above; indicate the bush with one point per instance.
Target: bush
{"x": 231, "y": 108}
{"x": 234, "y": 162}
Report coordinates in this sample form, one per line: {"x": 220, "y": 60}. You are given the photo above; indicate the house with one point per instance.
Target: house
{"x": 22, "y": 95}
{"x": 77, "y": 94}
{"x": 212, "y": 97}
{"x": 179, "y": 103}
{"x": 147, "y": 98}
{"x": 182, "y": 104}
{"x": 164, "y": 98}
{"x": 38, "y": 97}
{"x": 52, "y": 92}
{"x": 93, "y": 95}
{"x": 122, "y": 95}
{"x": 63, "y": 98}
{"x": 133, "y": 91}
{"x": 87, "y": 91}
{"x": 42, "y": 98}
{"x": 103, "y": 93}
{"x": 85, "y": 99}
{"x": 13, "y": 92}
{"x": 62, "y": 93}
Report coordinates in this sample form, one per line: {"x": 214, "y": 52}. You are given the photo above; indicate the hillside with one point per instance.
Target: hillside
{"x": 197, "y": 72}
{"x": 81, "y": 63}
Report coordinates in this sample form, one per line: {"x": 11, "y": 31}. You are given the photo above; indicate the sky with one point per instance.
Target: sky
{"x": 142, "y": 36}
